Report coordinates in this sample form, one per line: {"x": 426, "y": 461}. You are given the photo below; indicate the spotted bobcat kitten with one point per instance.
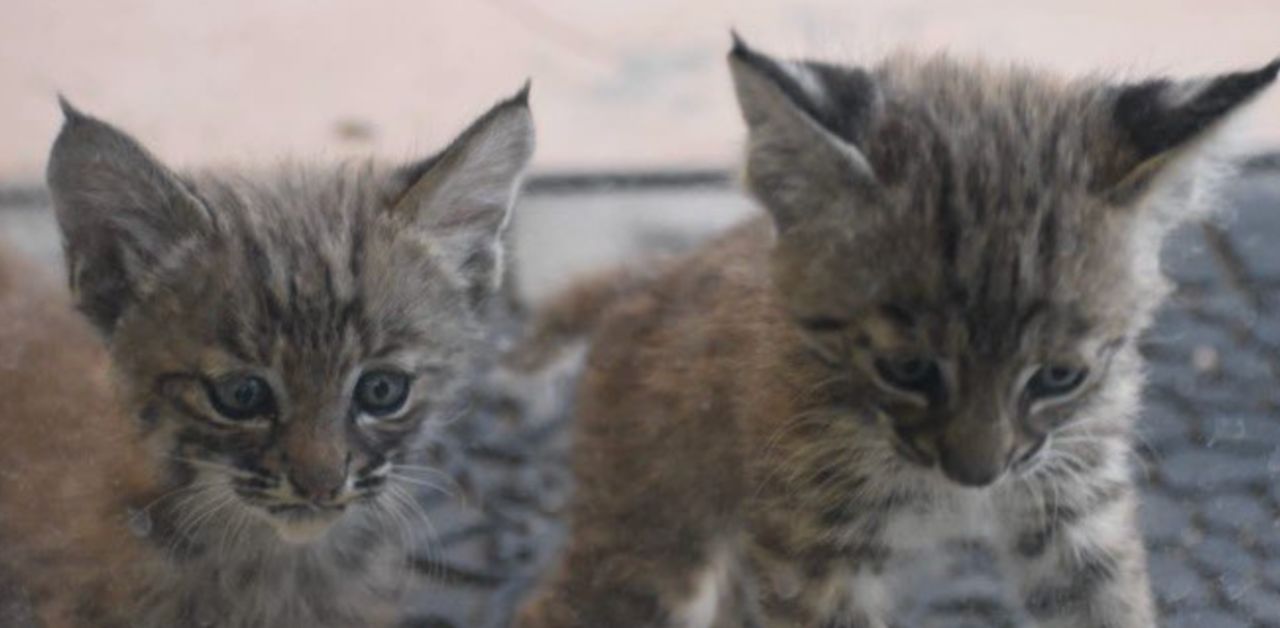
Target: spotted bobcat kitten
{"x": 243, "y": 449}
{"x": 933, "y": 331}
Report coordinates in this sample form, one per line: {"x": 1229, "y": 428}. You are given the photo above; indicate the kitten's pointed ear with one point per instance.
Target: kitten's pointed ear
{"x": 807, "y": 126}
{"x": 121, "y": 212}
{"x": 1152, "y": 123}
{"x": 462, "y": 197}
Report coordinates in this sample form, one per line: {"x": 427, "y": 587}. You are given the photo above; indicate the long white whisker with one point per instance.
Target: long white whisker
{"x": 415, "y": 510}
{"x": 421, "y": 482}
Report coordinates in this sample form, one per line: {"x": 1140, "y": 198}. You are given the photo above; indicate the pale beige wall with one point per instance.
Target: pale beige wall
{"x": 638, "y": 83}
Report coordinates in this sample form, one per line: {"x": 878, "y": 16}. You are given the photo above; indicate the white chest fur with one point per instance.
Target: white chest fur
{"x": 955, "y": 513}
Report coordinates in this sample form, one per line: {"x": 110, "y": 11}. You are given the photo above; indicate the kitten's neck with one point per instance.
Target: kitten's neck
{"x": 234, "y": 564}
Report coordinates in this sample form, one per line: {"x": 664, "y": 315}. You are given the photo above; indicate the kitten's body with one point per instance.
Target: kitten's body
{"x": 134, "y": 491}
{"x": 743, "y": 468}
{"x": 739, "y": 460}
{"x": 46, "y": 509}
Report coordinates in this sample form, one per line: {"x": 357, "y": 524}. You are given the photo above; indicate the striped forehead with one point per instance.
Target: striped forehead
{"x": 295, "y": 259}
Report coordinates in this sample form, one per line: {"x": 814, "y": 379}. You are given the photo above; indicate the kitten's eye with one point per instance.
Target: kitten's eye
{"x": 1055, "y": 380}
{"x": 238, "y": 397}
{"x": 823, "y": 324}
{"x": 380, "y": 393}
{"x": 915, "y": 373}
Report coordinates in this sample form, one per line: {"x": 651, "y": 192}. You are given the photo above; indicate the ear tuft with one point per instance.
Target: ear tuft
{"x": 522, "y": 96}
{"x": 739, "y": 44}
{"x": 70, "y": 113}
{"x": 1156, "y": 118}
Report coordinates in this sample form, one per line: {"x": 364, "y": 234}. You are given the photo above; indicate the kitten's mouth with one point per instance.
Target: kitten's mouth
{"x": 303, "y": 511}
{"x": 302, "y": 523}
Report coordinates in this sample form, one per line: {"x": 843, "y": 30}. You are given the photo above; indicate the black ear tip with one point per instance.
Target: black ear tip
{"x": 1272, "y": 69}
{"x": 522, "y": 96}
{"x": 1250, "y": 82}
{"x": 740, "y": 50}
{"x": 744, "y": 55}
{"x": 69, "y": 112}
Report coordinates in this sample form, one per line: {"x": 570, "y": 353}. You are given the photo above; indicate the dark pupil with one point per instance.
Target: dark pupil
{"x": 381, "y": 390}
{"x": 912, "y": 370}
{"x": 917, "y": 374}
{"x": 1059, "y": 375}
{"x": 246, "y": 394}
{"x": 382, "y": 393}
{"x": 241, "y": 397}
{"x": 1056, "y": 380}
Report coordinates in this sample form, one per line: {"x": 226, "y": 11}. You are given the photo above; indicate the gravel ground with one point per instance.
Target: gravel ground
{"x": 1210, "y": 447}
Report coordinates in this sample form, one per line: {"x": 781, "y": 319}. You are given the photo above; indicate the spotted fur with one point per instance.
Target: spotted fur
{"x": 141, "y": 500}
{"x": 743, "y": 432}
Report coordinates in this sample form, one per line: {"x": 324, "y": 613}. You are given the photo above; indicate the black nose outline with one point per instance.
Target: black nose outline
{"x": 1030, "y": 453}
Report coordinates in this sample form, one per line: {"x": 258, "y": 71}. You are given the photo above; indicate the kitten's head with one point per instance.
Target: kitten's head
{"x": 976, "y": 248}
{"x": 287, "y": 338}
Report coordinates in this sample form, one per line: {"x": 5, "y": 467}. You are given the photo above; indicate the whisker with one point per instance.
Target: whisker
{"x": 185, "y": 488}
{"x": 421, "y": 482}
{"x": 430, "y": 548}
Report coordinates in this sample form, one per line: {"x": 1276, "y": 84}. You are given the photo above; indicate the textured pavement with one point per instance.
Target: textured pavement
{"x": 1209, "y": 449}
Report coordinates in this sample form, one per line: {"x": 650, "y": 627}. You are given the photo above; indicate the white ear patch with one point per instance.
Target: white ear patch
{"x": 701, "y": 609}
{"x": 807, "y": 80}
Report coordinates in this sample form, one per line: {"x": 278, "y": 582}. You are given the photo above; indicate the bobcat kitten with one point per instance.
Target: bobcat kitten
{"x": 934, "y": 330}
{"x": 244, "y": 449}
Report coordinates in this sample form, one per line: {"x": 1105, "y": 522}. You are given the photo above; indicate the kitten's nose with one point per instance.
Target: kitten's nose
{"x": 975, "y": 453}
{"x": 971, "y": 473}
{"x": 316, "y": 459}
{"x": 318, "y": 484}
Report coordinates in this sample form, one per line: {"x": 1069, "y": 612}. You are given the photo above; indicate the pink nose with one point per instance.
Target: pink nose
{"x": 318, "y": 485}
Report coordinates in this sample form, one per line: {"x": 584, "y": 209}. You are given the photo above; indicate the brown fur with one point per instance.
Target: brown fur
{"x": 745, "y": 453}
{"x": 59, "y": 408}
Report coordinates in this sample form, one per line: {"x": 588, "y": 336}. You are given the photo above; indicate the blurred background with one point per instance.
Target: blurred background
{"x": 638, "y": 135}
{"x": 629, "y": 87}
{"x": 637, "y": 84}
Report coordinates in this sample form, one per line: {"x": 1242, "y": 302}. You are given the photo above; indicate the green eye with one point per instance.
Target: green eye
{"x": 239, "y": 397}
{"x": 1055, "y": 380}
{"x": 914, "y": 373}
{"x": 380, "y": 393}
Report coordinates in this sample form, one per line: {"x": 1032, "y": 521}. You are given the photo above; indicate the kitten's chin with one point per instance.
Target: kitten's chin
{"x": 301, "y": 530}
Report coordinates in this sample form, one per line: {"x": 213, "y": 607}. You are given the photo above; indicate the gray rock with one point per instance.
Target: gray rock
{"x": 1176, "y": 583}
{"x": 1207, "y": 471}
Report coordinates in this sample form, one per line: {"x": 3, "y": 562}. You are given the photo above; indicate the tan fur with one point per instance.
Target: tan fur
{"x": 573, "y": 314}
{"x": 73, "y": 465}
